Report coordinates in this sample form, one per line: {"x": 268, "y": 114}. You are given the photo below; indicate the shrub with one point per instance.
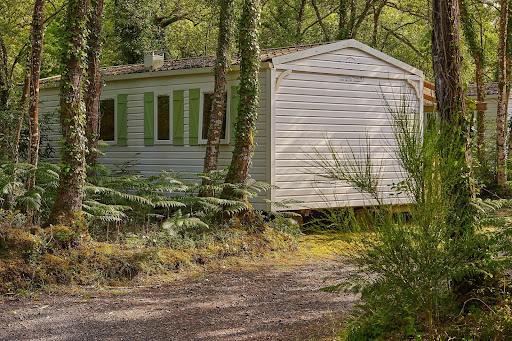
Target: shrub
{"x": 417, "y": 270}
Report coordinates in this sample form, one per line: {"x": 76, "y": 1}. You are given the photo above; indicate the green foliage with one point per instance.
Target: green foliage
{"x": 419, "y": 270}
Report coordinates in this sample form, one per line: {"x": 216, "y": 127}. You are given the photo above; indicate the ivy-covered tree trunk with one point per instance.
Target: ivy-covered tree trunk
{"x": 5, "y": 85}
{"x": 455, "y": 153}
{"x": 222, "y": 63}
{"x": 68, "y": 204}
{"x": 509, "y": 71}
{"x": 501, "y": 116}
{"x": 93, "y": 89}
{"x": 476, "y": 49}
{"x": 23, "y": 106}
{"x": 36, "y": 36}
{"x": 238, "y": 172}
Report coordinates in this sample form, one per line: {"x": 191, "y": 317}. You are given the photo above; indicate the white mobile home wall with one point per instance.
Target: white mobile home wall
{"x": 339, "y": 93}
{"x": 336, "y": 91}
{"x": 151, "y": 160}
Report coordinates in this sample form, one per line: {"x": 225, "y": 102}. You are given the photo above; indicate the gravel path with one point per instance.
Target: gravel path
{"x": 265, "y": 302}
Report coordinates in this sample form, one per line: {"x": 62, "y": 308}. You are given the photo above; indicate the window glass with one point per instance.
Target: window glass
{"x": 163, "y": 121}
{"x": 107, "y": 120}
{"x": 207, "y": 109}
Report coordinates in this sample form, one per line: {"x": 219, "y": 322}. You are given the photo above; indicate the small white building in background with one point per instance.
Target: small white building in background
{"x": 154, "y": 118}
{"x": 491, "y": 111}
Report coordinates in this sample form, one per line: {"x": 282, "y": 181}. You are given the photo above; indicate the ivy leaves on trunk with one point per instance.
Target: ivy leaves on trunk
{"x": 245, "y": 126}
{"x": 222, "y": 63}
{"x": 68, "y": 204}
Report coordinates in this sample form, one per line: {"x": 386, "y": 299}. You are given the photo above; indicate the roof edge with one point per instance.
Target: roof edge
{"x": 346, "y": 44}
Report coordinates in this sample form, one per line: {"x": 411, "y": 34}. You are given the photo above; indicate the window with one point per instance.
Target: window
{"x": 107, "y": 123}
{"x": 207, "y": 109}
{"x": 163, "y": 118}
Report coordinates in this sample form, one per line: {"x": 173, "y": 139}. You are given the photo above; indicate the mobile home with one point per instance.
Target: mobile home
{"x": 155, "y": 114}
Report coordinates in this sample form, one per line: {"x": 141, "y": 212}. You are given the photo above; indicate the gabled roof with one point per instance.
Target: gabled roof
{"x": 350, "y": 43}
{"x": 267, "y": 55}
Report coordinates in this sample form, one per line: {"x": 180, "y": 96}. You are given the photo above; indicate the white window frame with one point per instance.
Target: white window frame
{"x": 114, "y": 97}
{"x": 203, "y": 91}
{"x": 167, "y": 92}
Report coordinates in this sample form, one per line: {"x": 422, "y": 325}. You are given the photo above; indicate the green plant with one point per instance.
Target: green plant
{"x": 419, "y": 268}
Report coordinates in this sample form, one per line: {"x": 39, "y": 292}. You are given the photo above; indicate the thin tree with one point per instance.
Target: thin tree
{"x": 5, "y": 85}
{"x": 222, "y": 63}
{"x": 245, "y": 127}
{"x": 68, "y": 204}
{"x": 501, "y": 116}
{"x": 350, "y": 19}
{"x": 93, "y": 88}
{"x": 36, "y": 36}
{"x": 447, "y": 64}
{"x": 476, "y": 48}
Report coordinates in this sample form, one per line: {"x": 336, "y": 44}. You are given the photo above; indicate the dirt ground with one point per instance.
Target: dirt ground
{"x": 260, "y": 302}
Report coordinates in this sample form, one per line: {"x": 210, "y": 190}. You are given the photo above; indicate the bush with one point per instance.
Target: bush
{"x": 418, "y": 270}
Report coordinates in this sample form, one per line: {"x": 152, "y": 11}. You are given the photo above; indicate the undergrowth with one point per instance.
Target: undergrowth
{"x": 31, "y": 262}
{"x": 135, "y": 226}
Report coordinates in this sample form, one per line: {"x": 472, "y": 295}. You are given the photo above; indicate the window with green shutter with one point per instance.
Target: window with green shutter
{"x": 149, "y": 118}
{"x": 194, "y": 97}
{"x": 178, "y": 118}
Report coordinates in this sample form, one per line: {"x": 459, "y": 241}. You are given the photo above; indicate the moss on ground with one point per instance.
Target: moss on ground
{"x": 33, "y": 262}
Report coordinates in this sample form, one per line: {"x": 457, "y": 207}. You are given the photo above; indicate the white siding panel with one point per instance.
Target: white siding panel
{"x": 350, "y": 114}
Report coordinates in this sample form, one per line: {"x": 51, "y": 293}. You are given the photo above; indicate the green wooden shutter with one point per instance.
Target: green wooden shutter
{"x": 122, "y": 120}
{"x": 235, "y": 98}
{"x": 178, "y": 107}
{"x": 149, "y": 118}
{"x": 193, "y": 133}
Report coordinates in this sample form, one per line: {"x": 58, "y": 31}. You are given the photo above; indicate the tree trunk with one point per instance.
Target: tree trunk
{"x": 509, "y": 71}
{"x": 320, "y": 21}
{"x": 93, "y": 89}
{"x": 5, "y": 85}
{"x": 455, "y": 154}
{"x": 343, "y": 29}
{"x": 23, "y": 105}
{"x": 36, "y": 35}
{"x": 238, "y": 172}
{"x": 447, "y": 61}
{"x": 376, "y": 17}
{"x": 501, "y": 117}
{"x": 480, "y": 114}
{"x": 68, "y": 204}
{"x": 222, "y": 63}
{"x": 300, "y": 21}
{"x": 477, "y": 52}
